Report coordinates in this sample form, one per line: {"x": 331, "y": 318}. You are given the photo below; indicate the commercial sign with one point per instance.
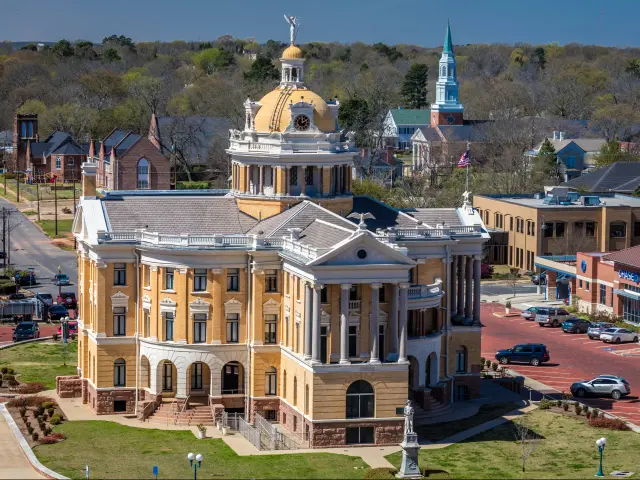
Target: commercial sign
{"x": 627, "y": 275}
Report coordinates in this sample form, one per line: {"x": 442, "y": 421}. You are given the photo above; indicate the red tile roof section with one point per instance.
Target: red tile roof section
{"x": 628, "y": 256}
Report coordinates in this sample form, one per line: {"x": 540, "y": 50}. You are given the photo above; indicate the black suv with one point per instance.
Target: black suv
{"x": 26, "y": 331}
{"x": 532, "y": 353}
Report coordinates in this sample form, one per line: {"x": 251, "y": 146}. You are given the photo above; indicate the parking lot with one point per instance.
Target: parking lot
{"x": 573, "y": 357}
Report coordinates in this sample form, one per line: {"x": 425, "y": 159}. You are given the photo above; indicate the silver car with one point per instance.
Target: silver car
{"x": 618, "y": 335}
{"x": 597, "y": 328}
{"x": 602, "y": 386}
{"x": 551, "y": 316}
{"x": 529, "y": 313}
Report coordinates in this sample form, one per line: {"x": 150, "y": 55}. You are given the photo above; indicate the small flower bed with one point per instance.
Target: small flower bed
{"x": 592, "y": 416}
{"x": 36, "y": 416}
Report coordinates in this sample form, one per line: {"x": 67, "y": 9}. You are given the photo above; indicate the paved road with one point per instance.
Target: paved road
{"x": 32, "y": 248}
{"x": 573, "y": 357}
{"x": 13, "y": 463}
{"x": 504, "y": 289}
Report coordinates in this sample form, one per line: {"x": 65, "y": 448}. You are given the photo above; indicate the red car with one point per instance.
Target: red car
{"x": 68, "y": 300}
{"x": 73, "y": 329}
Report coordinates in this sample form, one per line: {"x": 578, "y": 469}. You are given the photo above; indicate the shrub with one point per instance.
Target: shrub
{"x": 52, "y": 438}
{"x": 42, "y": 426}
{"x": 35, "y": 436}
{"x": 488, "y": 363}
{"x": 23, "y": 411}
{"x": 380, "y": 473}
{"x": 40, "y": 410}
{"x": 8, "y": 377}
{"x": 577, "y": 409}
{"x": 565, "y": 406}
{"x": 47, "y": 431}
{"x": 610, "y": 423}
{"x": 55, "y": 420}
{"x": 429, "y": 473}
{"x": 27, "y": 424}
{"x": 47, "y": 405}
{"x": 51, "y": 412}
{"x": 587, "y": 414}
{"x": 595, "y": 413}
{"x": 44, "y": 416}
{"x": 559, "y": 404}
{"x": 55, "y": 336}
{"x": 494, "y": 366}
{"x": 545, "y": 404}
{"x": 565, "y": 396}
{"x": 3, "y": 370}
{"x": 486, "y": 270}
{"x": 47, "y": 440}
{"x": 483, "y": 360}
{"x": 30, "y": 430}
{"x": 32, "y": 387}
{"x": 66, "y": 210}
{"x": 39, "y": 418}
{"x": 13, "y": 383}
{"x": 31, "y": 401}
{"x": 585, "y": 409}
{"x": 192, "y": 185}
{"x": 11, "y": 371}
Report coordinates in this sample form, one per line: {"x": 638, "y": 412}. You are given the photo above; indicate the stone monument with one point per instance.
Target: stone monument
{"x": 410, "y": 447}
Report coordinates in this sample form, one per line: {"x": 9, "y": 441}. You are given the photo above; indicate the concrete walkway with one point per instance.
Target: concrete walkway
{"x": 13, "y": 463}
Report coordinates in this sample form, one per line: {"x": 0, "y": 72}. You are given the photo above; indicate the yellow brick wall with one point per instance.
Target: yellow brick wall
{"x": 469, "y": 339}
{"x": 289, "y": 370}
{"x": 107, "y": 355}
{"x": 260, "y": 362}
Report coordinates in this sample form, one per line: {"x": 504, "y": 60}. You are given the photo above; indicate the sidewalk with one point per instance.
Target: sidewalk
{"x": 13, "y": 463}
{"x": 521, "y": 302}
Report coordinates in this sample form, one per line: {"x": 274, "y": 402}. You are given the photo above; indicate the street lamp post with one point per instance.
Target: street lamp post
{"x": 196, "y": 465}
{"x": 601, "y": 443}
{"x": 59, "y": 282}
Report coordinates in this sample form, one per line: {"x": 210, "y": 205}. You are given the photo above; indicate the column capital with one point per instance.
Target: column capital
{"x": 376, "y": 286}
{"x": 345, "y": 286}
{"x": 477, "y": 257}
{"x": 404, "y": 285}
{"x": 317, "y": 286}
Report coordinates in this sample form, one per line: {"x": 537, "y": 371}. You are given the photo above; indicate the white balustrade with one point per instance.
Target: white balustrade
{"x": 354, "y": 305}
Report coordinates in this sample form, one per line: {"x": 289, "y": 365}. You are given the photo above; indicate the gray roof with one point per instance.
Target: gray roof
{"x": 320, "y": 234}
{"x": 528, "y": 200}
{"x": 68, "y": 148}
{"x": 623, "y": 177}
{"x": 38, "y": 148}
{"x": 176, "y": 214}
{"x": 114, "y": 138}
{"x": 58, "y": 142}
{"x": 298, "y": 216}
{"x": 385, "y": 216}
{"x": 435, "y": 216}
{"x": 472, "y": 132}
{"x": 203, "y": 130}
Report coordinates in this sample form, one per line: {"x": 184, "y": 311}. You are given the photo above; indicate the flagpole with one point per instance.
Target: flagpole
{"x": 467, "y": 177}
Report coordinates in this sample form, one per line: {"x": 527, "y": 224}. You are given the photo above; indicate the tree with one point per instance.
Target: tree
{"x": 547, "y": 157}
{"x": 539, "y": 58}
{"x": 121, "y": 41}
{"x": 212, "y": 60}
{"x": 63, "y": 48}
{"x": 512, "y": 280}
{"x": 414, "y": 87}
{"x": 518, "y": 57}
{"x": 262, "y": 70}
{"x": 84, "y": 49}
{"x": 615, "y": 121}
{"x": 111, "y": 55}
{"x": 527, "y": 439}
{"x": 611, "y": 152}
{"x": 633, "y": 67}
{"x": 152, "y": 91}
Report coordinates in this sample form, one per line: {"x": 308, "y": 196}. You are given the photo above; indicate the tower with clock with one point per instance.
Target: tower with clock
{"x": 447, "y": 110}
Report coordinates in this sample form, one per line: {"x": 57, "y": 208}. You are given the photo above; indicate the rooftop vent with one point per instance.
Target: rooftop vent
{"x": 590, "y": 201}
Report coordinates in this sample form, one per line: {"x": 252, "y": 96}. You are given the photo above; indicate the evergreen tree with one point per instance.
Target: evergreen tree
{"x": 547, "y": 158}
{"x": 414, "y": 87}
{"x": 262, "y": 70}
{"x": 611, "y": 152}
{"x": 539, "y": 58}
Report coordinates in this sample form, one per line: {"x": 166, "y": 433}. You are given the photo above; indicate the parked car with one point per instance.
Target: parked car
{"x": 539, "y": 279}
{"x": 61, "y": 279}
{"x": 17, "y": 296}
{"x": 57, "y": 312}
{"x": 602, "y": 386}
{"x": 68, "y": 299}
{"x": 576, "y": 325}
{"x": 551, "y": 316}
{"x": 529, "y": 313}
{"x": 532, "y": 353}
{"x": 618, "y": 335}
{"x": 26, "y": 331}
{"x": 46, "y": 298}
{"x": 597, "y": 328}
{"x": 73, "y": 329}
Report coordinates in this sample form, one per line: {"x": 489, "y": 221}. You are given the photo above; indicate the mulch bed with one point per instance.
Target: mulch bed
{"x": 34, "y": 420}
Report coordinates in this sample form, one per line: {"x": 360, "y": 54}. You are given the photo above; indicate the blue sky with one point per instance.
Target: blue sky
{"x": 422, "y": 22}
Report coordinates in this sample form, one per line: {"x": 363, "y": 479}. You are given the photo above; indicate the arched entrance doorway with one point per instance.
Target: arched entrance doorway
{"x": 414, "y": 375}
{"x": 431, "y": 370}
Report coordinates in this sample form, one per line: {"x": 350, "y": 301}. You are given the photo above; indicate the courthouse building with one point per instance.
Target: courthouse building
{"x": 287, "y": 297}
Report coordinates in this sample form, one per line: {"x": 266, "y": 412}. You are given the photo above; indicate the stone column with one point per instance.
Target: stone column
{"x": 414, "y": 157}
{"x": 452, "y": 287}
{"x": 402, "y": 316}
{"x": 460, "y": 283}
{"x": 344, "y": 323}
{"x": 476, "y": 289}
{"x": 261, "y": 191}
{"x": 249, "y": 179}
{"x": 308, "y": 311}
{"x": 349, "y": 178}
{"x": 373, "y": 323}
{"x": 468, "y": 288}
{"x": 393, "y": 319}
{"x": 315, "y": 346}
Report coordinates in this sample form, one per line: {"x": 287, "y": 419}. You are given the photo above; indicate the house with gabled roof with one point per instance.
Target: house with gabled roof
{"x": 401, "y": 123}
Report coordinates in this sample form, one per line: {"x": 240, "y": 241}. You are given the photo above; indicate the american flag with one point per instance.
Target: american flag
{"x": 464, "y": 161}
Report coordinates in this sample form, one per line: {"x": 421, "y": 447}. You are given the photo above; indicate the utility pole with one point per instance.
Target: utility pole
{"x": 38, "y": 197}
{"x": 8, "y": 250}
{"x": 18, "y": 187}
{"x": 4, "y": 237}
{"x": 55, "y": 201}
{"x": 75, "y": 244}
{"x": 5, "y": 182}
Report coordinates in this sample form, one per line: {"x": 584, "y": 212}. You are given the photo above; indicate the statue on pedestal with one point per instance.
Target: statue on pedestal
{"x": 294, "y": 24}
{"x": 410, "y": 447}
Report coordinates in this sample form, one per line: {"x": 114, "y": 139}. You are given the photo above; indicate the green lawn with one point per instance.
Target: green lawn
{"x": 567, "y": 450}
{"x": 117, "y": 451}
{"x": 49, "y": 227}
{"x": 41, "y": 362}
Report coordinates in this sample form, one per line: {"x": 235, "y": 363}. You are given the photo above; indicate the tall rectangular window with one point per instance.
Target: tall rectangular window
{"x": 271, "y": 281}
{"x": 590, "y": 229}
{"x": 119, "y": 273}
{"x": 548, "y": 230}
{"x": 168, "y": 326}
{"x": 119, "y": 321}
{"x": 232, "y": 327}
{"x": 293, "y": 176}
{"x": 324, "y": 295}
{"x": 200, "y": 328}
{"x": 168, "y": 278}
{"x": 199, "y": 279}
{"x": 270, "y": 329}
{"x": 233, "y": 279}
{"x": 58, "y": 163}
{"x": 147, "y": 275}
{"x": 603, "y": 294}
{"x": 353, "y": 341}
{"x": 308, "y": 175}
{"x": 559, "y": 230}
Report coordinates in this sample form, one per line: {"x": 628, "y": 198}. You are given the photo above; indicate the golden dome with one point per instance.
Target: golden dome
{"x": 322, "y": 115}
{"x": 292, "y": 52}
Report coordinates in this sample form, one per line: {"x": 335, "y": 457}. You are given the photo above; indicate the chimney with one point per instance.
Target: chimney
{"x": 92, "y": 152}
{"x": 562, "y": 134}
{"x": 89, "y": 179}
{"x": 555, "y": 134}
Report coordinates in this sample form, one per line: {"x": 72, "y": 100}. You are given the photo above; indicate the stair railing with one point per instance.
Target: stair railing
{"x": 184, "y": 407}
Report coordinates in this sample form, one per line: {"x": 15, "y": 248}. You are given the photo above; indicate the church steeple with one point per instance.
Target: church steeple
{"x": 447, "y": 110}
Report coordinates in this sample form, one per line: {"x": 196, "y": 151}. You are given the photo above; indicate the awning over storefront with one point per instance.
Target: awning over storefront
{"x": 627, "y": 293}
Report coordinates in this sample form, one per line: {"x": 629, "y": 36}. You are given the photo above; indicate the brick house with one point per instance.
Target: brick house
{"x": 126, "y": 161}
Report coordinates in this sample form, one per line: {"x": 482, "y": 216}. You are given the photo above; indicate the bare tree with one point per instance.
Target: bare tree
{"x": 526, "y": 438}
{"x": 512, "y": 280}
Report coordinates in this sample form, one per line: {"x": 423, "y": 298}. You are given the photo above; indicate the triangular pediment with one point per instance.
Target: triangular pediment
{"x": 418, "y": 136}
{"x": 362, "y": 250}
{"x": 168, "y": 301}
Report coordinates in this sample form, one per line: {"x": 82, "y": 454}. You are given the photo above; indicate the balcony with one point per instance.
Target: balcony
{"x": 425, "y": 296}
{"x": 354, "y": 307}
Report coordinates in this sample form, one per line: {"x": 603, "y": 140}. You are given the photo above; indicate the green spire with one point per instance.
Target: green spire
{"x": 448, "y": 45}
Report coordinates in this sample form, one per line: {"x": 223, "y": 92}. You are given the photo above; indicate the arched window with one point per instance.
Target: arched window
{"x": 443, "y": 71}
{"x": 360, "y": 400}
{"x": 461, "y": 359}
{"x": 143, "y": 173}
{"x": 306, "y": 399}
{"x": 295, "y": 391}
{"x": 271, "y": 382}
{"x": 232, "y": 374}
{"x": 119, "y": 373}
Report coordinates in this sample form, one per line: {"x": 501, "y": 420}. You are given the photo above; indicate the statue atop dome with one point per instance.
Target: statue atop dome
{"x": 294, "y": 24}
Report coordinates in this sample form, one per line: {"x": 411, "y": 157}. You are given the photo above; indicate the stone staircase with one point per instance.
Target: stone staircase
{"x": 431, "y": 409}
{"x": 169, "y": 414}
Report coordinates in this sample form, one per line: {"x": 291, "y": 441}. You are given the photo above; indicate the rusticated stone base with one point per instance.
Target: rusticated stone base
{"x": 261, "y": 405}
{"x": 102, "y": 402}
{"x": 69, "y": 386}
{"x": 335, "y": 434}
{"x": 472, "y": 383}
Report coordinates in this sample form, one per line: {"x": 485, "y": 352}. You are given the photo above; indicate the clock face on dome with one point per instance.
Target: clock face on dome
{"x": 301, "y": 122}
